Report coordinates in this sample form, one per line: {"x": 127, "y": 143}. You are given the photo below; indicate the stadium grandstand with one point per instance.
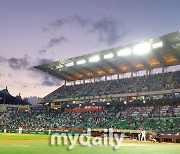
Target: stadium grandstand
{"x": 129, "y": 88}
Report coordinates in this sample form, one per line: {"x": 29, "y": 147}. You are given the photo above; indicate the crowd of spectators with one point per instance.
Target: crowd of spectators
{"x": 147, "y": 83}
{"x": 164, "y": 118}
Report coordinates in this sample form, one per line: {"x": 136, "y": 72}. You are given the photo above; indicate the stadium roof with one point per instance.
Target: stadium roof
{"x": 157, "y": 52}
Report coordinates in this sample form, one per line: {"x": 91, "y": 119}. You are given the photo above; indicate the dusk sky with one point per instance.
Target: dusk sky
{"x": 34, "y": 32}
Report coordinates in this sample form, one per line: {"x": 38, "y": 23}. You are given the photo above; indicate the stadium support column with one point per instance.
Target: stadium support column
{"x": 150, "y": 72}
{"x": 118, "y": 76}
{"x": 163, "y": 70}
{"x": 131, "y": 74}
{"x": 65, "y": 82}
{"x": 105, "y": 77}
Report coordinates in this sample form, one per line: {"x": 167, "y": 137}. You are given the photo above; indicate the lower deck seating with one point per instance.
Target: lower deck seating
{"x": 132, "y": 118}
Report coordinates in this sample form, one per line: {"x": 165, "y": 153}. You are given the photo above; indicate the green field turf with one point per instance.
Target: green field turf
{"x": 39, "y": 144}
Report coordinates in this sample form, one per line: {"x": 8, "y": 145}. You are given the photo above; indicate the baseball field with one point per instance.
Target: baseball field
{"x": 40, "y": 144}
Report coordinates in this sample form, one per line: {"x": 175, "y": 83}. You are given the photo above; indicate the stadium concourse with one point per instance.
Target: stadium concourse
{"x": 116, "y": 88}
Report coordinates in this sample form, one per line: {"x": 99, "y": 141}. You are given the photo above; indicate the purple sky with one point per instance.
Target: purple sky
{"x": 38, "y": 31}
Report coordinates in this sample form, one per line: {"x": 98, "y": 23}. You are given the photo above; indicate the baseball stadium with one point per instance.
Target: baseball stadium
{"x": 133, "y": 89}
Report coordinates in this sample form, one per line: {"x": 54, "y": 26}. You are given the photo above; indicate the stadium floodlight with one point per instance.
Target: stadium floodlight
{"x": 69, "y": 64}
{"x": 59, "y": 66}
{"x": 94, "y": 59}
{"x": 124, "y": 52}
{"x": 157, "y": 45}
{"x": 108, "y": 56}
{"x": 142, "y": 48}
{"x": 79, "y": 62}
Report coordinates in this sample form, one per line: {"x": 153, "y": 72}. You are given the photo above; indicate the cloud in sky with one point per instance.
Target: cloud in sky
{"x": 2, "y": 59}
{"x": 43, "y": 51}
{"x": 50, "y": 81}
{"x": 44, "y": 61}
{"x": 26, "y": 64}
{"x": 108, "y": 29}
{"x": 45, "y": 79}
{"x": 33, "y": 100}
{"x": 56, "y": 41}
{"x": 19, "y": 63}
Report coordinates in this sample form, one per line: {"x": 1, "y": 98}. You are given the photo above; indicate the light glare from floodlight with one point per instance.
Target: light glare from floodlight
{"x": 157, "y": 45}
{"x": 124, "y": 52}
{"x": 83, "y": 61}
{"x": 94, "y": 59}
{"x": 141, "y": 49}
{"x": 108, "y": 56}
{"x": 69, "y": 64}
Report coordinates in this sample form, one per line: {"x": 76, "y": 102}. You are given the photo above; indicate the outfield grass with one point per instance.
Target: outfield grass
{"x": 39, "y": 144}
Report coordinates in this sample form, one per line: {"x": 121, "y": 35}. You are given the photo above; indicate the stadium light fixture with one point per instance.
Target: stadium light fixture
{"x": 141, "y": 49}
{"x": 108, "y": 56}
{"x": 59, "y": 66}
{"x": 94, "y": 59}
{"x": 157, "y": 45}
{"x": 80, "y": 62}
{"x": 69, "y": 64}
{"x": 124, "y": 52}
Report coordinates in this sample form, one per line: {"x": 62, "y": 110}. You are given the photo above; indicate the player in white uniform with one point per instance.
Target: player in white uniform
{"x": 143, "y": 135}
{"x": 20, "y": 130}
{"x": 5, "y": 130}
